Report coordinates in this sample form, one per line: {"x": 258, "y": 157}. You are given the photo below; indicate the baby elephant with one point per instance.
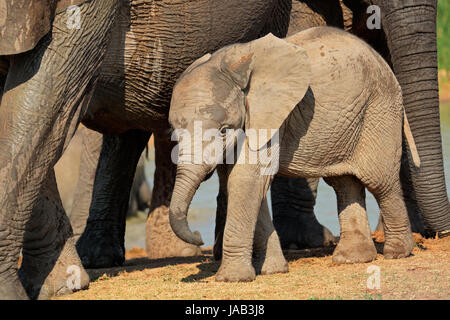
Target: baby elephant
{"x": 338, "y": 114}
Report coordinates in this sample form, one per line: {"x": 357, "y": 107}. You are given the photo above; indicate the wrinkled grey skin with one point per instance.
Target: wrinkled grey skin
{"x": 36, "y": 16}
{"x": 45, "y": 94}
{"x": 68, "y": 173}
{"x": 91, "y": 142}
{"x": 293, "y": 198}
{"x": 116, "y": 75}
{"x": 333, "y": 99}
{"x": 54, "y": 98}
{"x": 415, "y": 67}
{"x": 137, "y": 96}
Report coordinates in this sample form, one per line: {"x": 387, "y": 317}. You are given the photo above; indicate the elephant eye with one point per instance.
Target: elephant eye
{"x": 223, "y": 130}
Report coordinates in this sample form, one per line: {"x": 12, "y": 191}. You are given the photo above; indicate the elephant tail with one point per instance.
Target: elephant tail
{"x": 410, "y": 140}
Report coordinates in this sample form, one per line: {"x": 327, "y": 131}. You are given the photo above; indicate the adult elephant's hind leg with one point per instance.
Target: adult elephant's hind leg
{"x": 50, "y": 264}
{"x": 397, "y": 230}
{"x": 355, "y": 244}
{"x": 102, "y": 242}
{"x": 293, "y": 202}
{"x": 90, "y": 154}
{"x": 268, "y": 257}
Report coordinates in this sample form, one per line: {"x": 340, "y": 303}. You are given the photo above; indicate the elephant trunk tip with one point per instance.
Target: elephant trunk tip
{"x": 181, "y": 229}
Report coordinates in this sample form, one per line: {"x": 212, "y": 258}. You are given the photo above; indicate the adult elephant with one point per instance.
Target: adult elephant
{"x": 63, "y": 66}
{"x": 48, "y": 72}
{"x": 293, "y": 199}
{"x": 407, "y": 40}
{"x": 67, "y": 172}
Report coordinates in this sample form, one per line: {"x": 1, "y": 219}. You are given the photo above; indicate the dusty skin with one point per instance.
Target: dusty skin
{"x": 312, "y": 275}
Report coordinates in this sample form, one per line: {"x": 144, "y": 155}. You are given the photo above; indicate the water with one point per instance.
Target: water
{"x": 201, "y": 214}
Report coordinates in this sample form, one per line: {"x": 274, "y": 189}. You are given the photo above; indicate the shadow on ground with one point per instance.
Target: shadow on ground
{"x": 139, "y": 264}
{"x": 207, "y": 266}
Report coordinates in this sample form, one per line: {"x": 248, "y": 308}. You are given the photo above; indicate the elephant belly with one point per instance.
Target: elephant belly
{"x": 321, "y": 139}
{"x": 351, "y": 87}
{"x": 151, "y": 45}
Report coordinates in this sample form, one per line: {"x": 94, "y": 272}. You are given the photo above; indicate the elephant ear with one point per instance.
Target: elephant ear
{"x": 198, "y": 62}
{"x": 274, "y": 74}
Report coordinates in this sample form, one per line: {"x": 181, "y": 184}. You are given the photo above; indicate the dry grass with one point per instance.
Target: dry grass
{"x": 312, "y": 275}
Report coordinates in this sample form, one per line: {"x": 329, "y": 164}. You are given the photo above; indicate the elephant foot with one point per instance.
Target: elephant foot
{"x": 235, "y": 272}
{"x": 398, "y": 246}
{"x": 354, "y": 248}
{"x": 271, "y": 265}
{"x": 269, "y": 260}
{"x": 302, "y": 232}
{"x": 161, "y": 242}
{"x": 100, "y": 248}
{"x": 65, "y": 276}
{"x": 11, "y": 289}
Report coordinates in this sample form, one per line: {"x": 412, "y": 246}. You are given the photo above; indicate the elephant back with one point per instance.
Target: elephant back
{"x": 24, "y": 22}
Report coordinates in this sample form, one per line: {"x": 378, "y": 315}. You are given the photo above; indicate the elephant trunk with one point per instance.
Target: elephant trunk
{"x": 410, "y": 28}
{"x": 188, "y": 179}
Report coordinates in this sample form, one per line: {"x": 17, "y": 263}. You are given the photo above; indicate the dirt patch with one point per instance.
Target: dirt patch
{"x": 134, "y": 253}
{"x": 312, "y": 275}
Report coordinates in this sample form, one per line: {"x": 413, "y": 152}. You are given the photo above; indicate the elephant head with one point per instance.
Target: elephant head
{"x": 234, "y": 88}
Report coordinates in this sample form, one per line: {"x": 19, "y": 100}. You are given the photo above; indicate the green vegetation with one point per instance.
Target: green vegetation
{"x": 443, "y": 34}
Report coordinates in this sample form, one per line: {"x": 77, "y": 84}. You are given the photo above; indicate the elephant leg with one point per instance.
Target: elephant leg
{"x": 102, "y": 242}
{"x": 90, "y": 154}
{"x": 397, "y": 229}
{"x": 414, "y": 61}
{"x": 355, "y": 244}
{"x": 355, "y": 14}
{"x": 242, "y": 215}
{"x": 415, "y": 218}
{"x": 45, "y": 94}
{"x": 293, "y": 199}
{"x": 160, "y": 241}
{"x": 221, "y": 211}
{"x": 293, "y": 202}
{"x": 268, "y": 257}
{"x": 49, "y": 254}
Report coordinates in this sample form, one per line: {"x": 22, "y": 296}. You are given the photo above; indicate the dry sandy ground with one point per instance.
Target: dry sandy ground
{"x": 312, "y": 275}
